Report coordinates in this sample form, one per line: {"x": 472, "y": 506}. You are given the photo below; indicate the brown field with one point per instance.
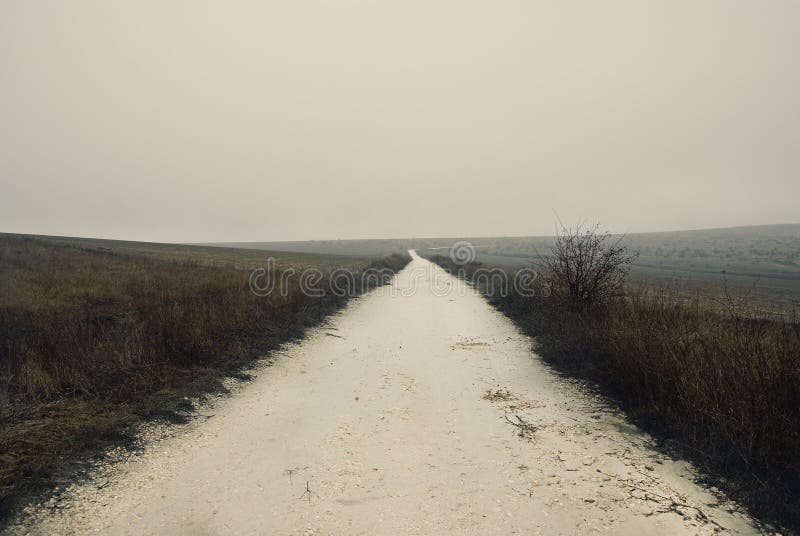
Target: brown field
{"x": 99, "y": 336}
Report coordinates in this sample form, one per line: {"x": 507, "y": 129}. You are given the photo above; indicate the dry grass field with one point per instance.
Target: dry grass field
{"x": 99, "y": 336}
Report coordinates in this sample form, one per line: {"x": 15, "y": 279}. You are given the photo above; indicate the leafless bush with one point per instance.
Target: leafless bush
{"x": 587, "y": 266}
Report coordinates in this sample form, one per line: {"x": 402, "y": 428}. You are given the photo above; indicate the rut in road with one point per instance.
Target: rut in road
{"x": 427, "y": 413}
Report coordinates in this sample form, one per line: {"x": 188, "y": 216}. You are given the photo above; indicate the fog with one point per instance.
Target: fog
{"x": 231, "y": 121}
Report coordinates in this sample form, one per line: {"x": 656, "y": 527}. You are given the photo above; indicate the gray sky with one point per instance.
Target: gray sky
{"x": 265, "y": 120}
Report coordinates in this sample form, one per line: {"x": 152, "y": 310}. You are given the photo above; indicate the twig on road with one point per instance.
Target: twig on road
{"x": 672, "y": 505}
{"x": 525, "y": 430}
{"x": 307, "y": 492}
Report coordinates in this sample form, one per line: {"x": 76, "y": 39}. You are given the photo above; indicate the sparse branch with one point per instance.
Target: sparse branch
{"x": 586, "y": 268}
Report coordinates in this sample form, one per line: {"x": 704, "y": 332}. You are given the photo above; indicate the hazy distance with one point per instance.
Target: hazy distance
{"x": 235, "y": 121}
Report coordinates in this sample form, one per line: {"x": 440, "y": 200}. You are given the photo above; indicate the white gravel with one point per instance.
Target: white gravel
{"x": 384, "y": 429}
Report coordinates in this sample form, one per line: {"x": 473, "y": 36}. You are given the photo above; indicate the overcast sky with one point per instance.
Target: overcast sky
{"x": 234, "y": 120}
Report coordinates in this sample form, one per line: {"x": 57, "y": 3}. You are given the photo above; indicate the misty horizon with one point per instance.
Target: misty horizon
{"x": 584, "y": 224}
{"x": 203, "y": 122}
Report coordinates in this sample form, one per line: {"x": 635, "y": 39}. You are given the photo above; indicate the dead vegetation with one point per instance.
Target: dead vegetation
{"x": 586, "y": 267}
{"x": 642, "y": 489}
{"x": 525, "y": 429}
{"x": 498, "y": 395}
{"x": 94, "y": 341}
{"x": 719, "y": 385}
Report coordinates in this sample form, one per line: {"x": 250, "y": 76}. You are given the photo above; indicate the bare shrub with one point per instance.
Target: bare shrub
{"x": 587, "y": 266}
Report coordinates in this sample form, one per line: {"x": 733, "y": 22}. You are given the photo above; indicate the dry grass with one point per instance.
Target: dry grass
{"x": 718, "y": 385}
{"x": 94, "y": 340}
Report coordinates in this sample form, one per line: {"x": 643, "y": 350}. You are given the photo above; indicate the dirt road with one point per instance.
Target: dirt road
{"x": 410, "y": 413}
